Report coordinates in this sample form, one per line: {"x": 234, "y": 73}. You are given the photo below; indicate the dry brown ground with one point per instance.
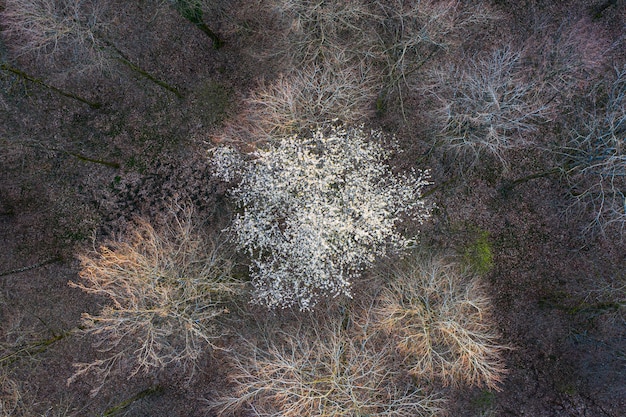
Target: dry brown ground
{"x": 559, "y": 296}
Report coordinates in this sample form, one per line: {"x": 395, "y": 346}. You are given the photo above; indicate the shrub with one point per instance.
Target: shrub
{"x": 398, "y": 32}
{"x": 166, "y": 289}
{"x": 56, "y": 28}
{"x": 313, "y": 96}
{"x": 439, "y": 316}
{"x": 569, "y": 55}
{"x": 487, "y": 106}
{"x": 316, "y": 30}
{"x": 412, "y": 32}
{"x": 10, "y": 396}
{"x": 597, "y": 156}
{"x": 345, "y": 58}
{"x": 323, "y": 373}
{"x": 318, "y": 209}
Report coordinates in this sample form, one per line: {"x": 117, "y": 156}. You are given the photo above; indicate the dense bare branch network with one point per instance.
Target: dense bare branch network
{"x": 165, "y": 290}
{"x": 440, "y": 318}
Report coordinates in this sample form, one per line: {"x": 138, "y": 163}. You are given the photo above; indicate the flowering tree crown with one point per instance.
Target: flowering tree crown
{"x": 317, "y": 210}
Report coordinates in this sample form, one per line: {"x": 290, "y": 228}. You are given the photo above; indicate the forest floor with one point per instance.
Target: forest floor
{"x": 71, "y": 172}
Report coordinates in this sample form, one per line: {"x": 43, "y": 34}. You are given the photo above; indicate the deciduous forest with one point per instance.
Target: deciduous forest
{"x": 302, "y": 208}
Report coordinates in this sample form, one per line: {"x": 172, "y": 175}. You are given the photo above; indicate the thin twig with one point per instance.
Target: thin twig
{"x": 29, "y": 267}
{"x": 42, "y": 83}
{"x": 35, "y": 347}
{"x": 126, "y": 61}
{"x": 115, "y": 410}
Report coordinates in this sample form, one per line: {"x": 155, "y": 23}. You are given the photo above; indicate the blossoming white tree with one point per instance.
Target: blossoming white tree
{"x": 317, "y": 210}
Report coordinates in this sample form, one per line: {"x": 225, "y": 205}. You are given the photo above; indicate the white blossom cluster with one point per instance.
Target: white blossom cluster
{"x": 227, "y": 163}
{"x": 316, "y": 210}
